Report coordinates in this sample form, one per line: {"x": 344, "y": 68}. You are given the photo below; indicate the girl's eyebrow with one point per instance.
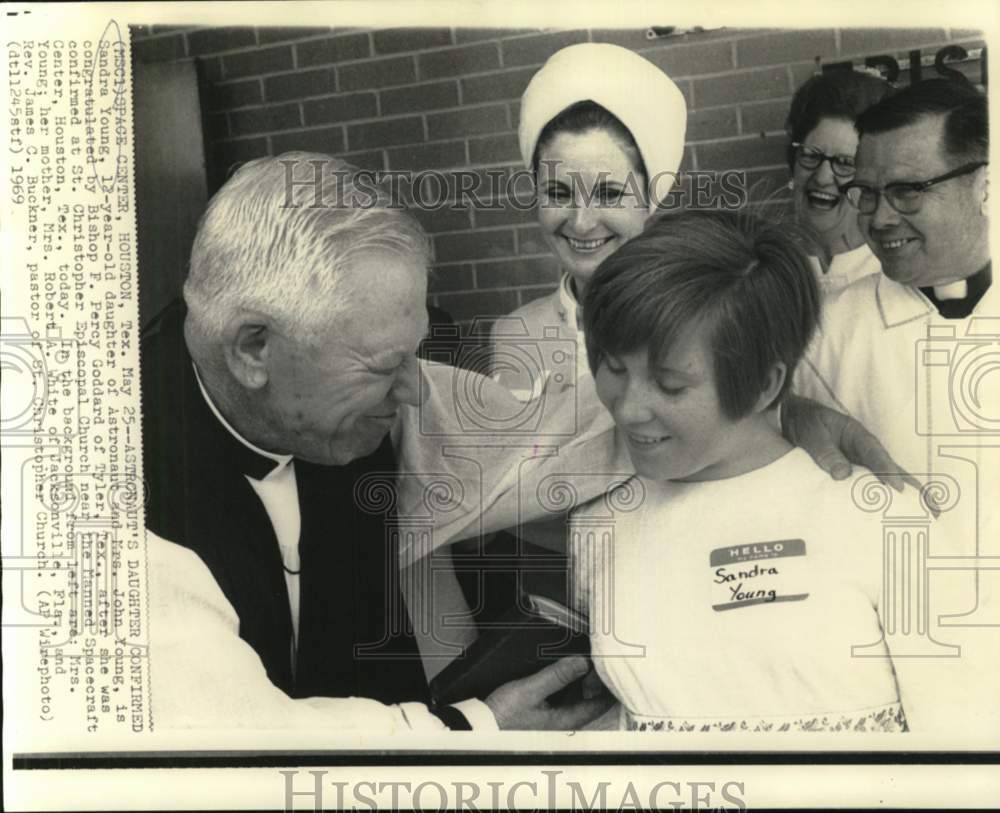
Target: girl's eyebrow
{"x": 662, "y": 369}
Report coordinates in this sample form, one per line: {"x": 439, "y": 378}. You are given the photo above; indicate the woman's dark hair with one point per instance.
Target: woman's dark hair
{"x": 581, "y": 118}
{"x": 747, "y": 278}
{"x": 833, "y": 95}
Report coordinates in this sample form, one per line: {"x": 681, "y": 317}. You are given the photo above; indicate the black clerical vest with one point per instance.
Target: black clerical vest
{"x": 354, "y": 633}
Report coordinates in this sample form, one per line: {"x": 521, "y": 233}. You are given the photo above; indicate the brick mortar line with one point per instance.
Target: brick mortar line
{"x": 748, "y": 68}
{"x": 370, "y": 119}
{"x": 242, "y": 49}
{"x": 233, "y": 139}
{"x": 298, "y": 129}
{"x": 503, "y": 68}
{"x": 420, "y": 81}
{"x": 853, "y": 55}
{"x": 902, "y": 49}
{"x": 309, "y": 38}
{"x": 742, "y": 136}
{"x": 163, "y": 35}
{"x": 660, "y": 44}
{"x": 413, "y": 52}
{"x": 290, "y": 43}
{"x": 376, "y": 56}
{"x": 530, "y": 287}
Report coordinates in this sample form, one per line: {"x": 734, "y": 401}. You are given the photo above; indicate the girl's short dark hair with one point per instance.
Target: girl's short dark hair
{"x": 581, "y": 118}
{"x": 834, "y": 95}
{"x": 750, "y": 279}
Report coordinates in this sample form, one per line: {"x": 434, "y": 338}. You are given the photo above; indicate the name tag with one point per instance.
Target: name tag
{"x": 760, "y": 573}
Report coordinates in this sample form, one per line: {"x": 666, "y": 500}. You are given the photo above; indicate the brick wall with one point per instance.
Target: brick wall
{"x": 417, "y": 99}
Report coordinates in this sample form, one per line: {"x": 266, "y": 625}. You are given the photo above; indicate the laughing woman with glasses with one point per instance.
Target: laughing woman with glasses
{"x": 820, "y": 126}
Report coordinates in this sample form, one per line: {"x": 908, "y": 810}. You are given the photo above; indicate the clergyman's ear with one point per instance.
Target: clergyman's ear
{"x": 775, "y": 381}
{"x": 247, "y": 354}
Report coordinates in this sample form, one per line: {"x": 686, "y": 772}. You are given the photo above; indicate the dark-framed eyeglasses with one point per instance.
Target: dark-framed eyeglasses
{"x": 906, "y": 197}
{"x": 809, "y": 158}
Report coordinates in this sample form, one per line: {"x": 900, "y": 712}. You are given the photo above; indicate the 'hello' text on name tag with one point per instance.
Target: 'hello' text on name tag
{"x": 759, "y": 573}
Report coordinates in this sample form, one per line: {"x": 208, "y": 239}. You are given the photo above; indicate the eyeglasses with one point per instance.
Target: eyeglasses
{"x": 810, "y": 158}
{"x": 906, "y": 197}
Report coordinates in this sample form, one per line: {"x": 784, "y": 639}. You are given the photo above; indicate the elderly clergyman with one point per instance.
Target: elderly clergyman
{"x": 286, "y": 377}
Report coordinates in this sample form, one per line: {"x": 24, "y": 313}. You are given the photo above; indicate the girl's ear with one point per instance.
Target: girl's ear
{"x": 775, "y": 381}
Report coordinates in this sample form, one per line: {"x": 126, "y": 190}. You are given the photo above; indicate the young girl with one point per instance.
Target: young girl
{"x": 731, "y": 584}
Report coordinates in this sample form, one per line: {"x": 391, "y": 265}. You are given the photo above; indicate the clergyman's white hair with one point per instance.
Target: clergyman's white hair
{"x": 278, "y": 235}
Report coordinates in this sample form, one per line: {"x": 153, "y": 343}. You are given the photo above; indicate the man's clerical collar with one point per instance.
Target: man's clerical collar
{"x": 255, "y": 462}
{"x": 958, "y": 299}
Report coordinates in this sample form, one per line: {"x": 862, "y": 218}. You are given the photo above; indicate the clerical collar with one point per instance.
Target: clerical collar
{"x": 260, "y": 465}
{"x": 958, "y": 299}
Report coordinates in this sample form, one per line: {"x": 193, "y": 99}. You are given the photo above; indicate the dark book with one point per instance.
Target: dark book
{"x": 537, "y": 631}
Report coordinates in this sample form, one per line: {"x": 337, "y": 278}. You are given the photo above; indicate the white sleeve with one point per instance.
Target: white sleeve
{"x": 812, "y": 377}
{"x": 204, "y": 675}
{"x": 816, "y": 374}
{"x": 472, "y": 460}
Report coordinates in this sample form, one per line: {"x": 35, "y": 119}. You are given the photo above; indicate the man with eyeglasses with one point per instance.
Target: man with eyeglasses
{"x": 929, "y": 232}
{"x": 912, "y": 354}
